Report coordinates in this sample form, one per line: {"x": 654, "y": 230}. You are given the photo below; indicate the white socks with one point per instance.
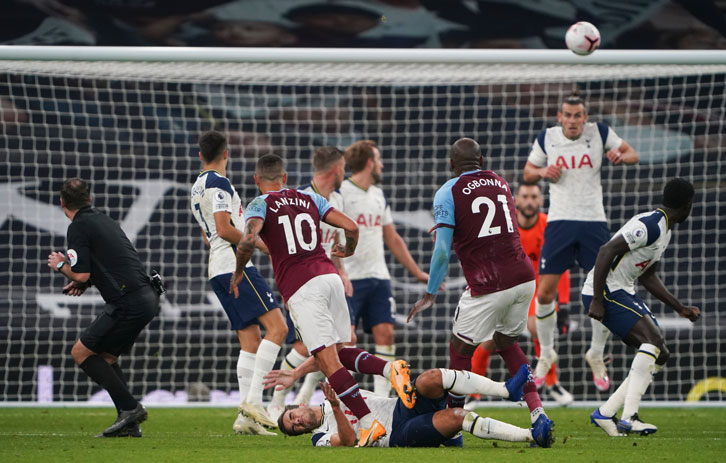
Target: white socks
{"x": 616, "y": 400}
{"x": 488, "y": 428}
{"x": 381, "y": 384}
{"x": 465, "y": 382}
{"x": 292, "y": 360}
{"x": 245, "y": 370}
{"x": 546, "y": 323}
{"x": 264, "y": 361}
{"x": 308, "y": 387}
{"x": 641, "y": 371}
{"x": 600, "y": 335}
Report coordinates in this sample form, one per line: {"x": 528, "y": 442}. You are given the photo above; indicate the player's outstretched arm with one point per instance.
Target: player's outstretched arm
{"x": 244, "y": 251}
{"x": 286, "y": 378}
{"x": 439, "y": 268}
{"x": 655, "y": 286}
{"x": 398, "y": 247}
{"x": 608, "y": 252}
{"x": 340, "y": 220}
{"x": 624, "y": 154}
{"x": 346, "y": 434}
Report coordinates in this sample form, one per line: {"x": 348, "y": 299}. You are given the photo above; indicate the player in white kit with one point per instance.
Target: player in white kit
{"x": 372, "y": 302}
{"x": 609, "y": 292}
{"x": 217, "y": 208}
{"x": 428, "y": 424}
{"x": 570, "y": 156}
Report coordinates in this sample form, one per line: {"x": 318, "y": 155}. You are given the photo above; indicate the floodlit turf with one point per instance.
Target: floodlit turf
{"x": 56, "y": 434}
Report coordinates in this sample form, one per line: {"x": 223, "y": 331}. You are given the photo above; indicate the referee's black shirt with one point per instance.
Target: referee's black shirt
{"x": 97, "y": 245}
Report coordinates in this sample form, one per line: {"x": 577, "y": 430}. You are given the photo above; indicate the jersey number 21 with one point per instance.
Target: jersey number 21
{"x": 486, "y": 228}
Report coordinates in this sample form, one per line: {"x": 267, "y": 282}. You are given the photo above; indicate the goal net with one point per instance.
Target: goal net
{"x": 130, "y": 128}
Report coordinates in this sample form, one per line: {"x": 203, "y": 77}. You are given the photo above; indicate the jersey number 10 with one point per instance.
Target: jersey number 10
{"x": 486, "y": 228}
{"x": 292, "y": 233}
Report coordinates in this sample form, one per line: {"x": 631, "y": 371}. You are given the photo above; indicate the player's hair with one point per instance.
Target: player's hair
{"x": 523, "y": 183}
{"x": 325, "y": 157}
{"x": 75, "y": 194}
{"x": 358, "y": 154}
{"x": 677, "y": 193}
{"x": 574, "y": 99}
{"x": 270, "y": 168}
{"x": 212, "y": 144}
{"x": 282, "y": 428}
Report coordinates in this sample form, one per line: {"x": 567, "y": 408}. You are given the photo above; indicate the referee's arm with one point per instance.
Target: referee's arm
{"x": 56, "y": 258}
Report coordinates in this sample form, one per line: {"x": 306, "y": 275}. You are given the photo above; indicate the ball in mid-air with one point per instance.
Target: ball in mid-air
{"x": 582, "y": 38}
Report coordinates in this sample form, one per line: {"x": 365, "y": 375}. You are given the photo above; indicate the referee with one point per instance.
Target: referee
{"x": 100, "y": 254}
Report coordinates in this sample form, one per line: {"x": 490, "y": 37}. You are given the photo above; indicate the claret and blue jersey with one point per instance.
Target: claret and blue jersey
{"x": 475, "y": 214}
{"x": 292, "y": 233}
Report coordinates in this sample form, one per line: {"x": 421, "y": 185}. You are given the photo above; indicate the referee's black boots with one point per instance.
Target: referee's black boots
{"x": 125, "y": 419}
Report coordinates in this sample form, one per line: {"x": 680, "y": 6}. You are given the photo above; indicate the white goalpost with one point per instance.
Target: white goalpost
{"x": 127, "y": 119}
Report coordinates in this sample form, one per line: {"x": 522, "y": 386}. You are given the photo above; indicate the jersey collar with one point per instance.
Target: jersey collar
{"x": 210, "y": 170}
{"x": 350, "y": 179}
{"x": 664, "y": 215}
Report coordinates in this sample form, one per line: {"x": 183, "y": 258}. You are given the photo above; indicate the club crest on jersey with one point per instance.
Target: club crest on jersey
{"x": 72, "y": 256}
{"x": 585, "y": 161}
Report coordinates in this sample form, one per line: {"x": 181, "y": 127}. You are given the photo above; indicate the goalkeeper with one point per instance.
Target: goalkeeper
{"x": 99, "y": 253}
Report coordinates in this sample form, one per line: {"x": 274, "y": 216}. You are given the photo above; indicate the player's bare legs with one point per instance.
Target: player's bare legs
{"x": 546, "y": 324}
{"x": 385, "y": 349}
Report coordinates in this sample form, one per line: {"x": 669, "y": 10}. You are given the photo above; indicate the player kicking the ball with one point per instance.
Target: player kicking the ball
{"x": 609, "y": 291}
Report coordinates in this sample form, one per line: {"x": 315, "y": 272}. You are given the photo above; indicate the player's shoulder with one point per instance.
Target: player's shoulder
{"x": 596, "y": 129}
{"x": 651, "y": 224}
{"x": 214, "y": 179}
{"x": 306, "y": 187}
{"x": 446, "y": 188}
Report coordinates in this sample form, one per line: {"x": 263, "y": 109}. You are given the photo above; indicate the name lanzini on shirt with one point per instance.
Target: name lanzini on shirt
{"x": 290, "y": 202}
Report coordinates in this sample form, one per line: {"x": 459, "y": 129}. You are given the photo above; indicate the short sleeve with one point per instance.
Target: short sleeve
{"x": 612, "y": 140}
{"x": 79, "y": 249}
{"x": 221, "y": 201}
{"x": 444, "y": 205}
{"x": 641, "y": 232}
{"x": 538, "y": 155}
{"x": 257, "y": 208}
{"x": 321, "y": 439}
{"x": 387, "y": 218}
{"x": 321, "y": 203}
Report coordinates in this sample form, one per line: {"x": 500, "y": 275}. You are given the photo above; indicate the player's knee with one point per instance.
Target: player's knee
{"x": 429, "y": 384}
{"x": 532, "y": 326}
{"x": 277, "y": 333}
{"x": 663, "y": 356}
{"x": 79, "y": 352}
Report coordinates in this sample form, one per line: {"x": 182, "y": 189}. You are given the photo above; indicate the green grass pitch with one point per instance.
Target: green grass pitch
{"x": 685, "y": 435}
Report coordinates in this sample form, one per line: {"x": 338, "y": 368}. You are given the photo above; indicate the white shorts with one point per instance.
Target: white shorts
{"x": 319, "y": 312}
{"x": 477, "y": 318}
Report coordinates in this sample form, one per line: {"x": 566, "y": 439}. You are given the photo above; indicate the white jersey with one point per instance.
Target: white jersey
{"x": 647, "y": 236}
{"x": 328, "y": 232}
{"x": 370, "y": 210}
{"x": 577, "y": 195}
{"x": 381, "y": 407}
{"x": 213, "y": 193}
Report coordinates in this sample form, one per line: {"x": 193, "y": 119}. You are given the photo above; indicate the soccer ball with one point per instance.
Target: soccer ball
{"x": 582, "y": 38}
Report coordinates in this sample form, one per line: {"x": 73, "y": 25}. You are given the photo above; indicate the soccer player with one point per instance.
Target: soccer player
{"x": 570, "y": 156}
{"x": 329, "y": 172}
{"x": 288, "y": 221}
{"x": 531, "y": 223}
{"x": 100, "y": 253}
{"x": 633, "y": 254}
{"x": 475, "y": 211}
{"x": 372, "y": 302}
{"x": 428, "y": 424}
{"x": 217, "y": 208}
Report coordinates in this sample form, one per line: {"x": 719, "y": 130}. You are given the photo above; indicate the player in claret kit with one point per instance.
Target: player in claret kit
{"x": 570, "y": 156}
{"x": 475, "y": 212}
{"x": 609, "y": 291}
{"x": 288, "y": 221}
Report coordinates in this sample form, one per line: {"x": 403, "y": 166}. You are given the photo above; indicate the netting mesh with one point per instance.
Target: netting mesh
{"x": 131, "y": 129}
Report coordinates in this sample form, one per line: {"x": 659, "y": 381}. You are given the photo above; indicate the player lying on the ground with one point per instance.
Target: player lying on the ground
{"x": 609, "y": 291}
{"x": 428, "y": 424}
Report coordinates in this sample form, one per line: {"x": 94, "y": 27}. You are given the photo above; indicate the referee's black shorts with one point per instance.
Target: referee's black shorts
{"x": 116, "y": 328}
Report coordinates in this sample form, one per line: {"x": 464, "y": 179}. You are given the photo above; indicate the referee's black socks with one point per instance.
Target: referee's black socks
{"x": 105, "y": 376}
